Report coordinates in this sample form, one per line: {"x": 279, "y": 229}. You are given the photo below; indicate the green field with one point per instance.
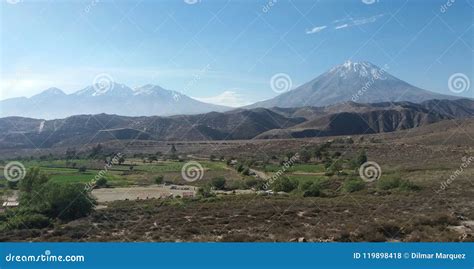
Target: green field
{"x": 302, "y": 168}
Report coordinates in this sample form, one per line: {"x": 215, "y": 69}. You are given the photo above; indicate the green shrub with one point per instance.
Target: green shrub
{"x": 26, "y": 221}
{"x": 284, "y": 184}
{"x": 396, "y": 183}
{"x": 66, "y": 201}
{"x": 82, "y": 169}
{"x": 311, "y": 189}
{"x": 407, "y": 185}
{"x": 101, "y": 182}
{"x": 218, "y": 183}
{"x": 352, "y": 185}
{"x": 205, "y": 192}
{"x": 159, "y": 179}
{"x": 254, "y": 183}
{"x": 388, "y": 183}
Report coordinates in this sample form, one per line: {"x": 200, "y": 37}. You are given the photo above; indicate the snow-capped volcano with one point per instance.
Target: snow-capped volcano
{"x": 110, "y": 89}
{"x": 361, "y": 82}
{"x": 360, "y": 69}
{"x": 110, "y": 98}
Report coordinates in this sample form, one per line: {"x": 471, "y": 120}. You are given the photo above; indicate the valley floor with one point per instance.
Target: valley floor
{"x": 134, "y": 207}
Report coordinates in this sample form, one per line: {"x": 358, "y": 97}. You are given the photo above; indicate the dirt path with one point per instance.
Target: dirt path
{"x": 141, "y": 193}
{"x": 260, "y": 174}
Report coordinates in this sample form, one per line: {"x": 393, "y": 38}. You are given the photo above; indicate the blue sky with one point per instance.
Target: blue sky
{"x": 227, "y": 52}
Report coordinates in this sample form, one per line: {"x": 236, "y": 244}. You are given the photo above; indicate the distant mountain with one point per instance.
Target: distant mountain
{"x": 149, "y": 100}
{"x": 276, "y": 123}
{"x": 360, "y": 82}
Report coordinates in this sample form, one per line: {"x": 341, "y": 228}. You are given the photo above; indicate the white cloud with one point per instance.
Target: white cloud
{"x": 367, "y": 20}
{"x": 341, "y": 26}
{"x": 316, "y": 29}
{"x": 227, "y": 98}
{"x": 359, "y": 21}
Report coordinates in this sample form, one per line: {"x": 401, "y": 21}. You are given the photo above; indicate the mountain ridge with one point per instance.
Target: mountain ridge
{"x": 113, "y": 98}
{"x": 240, "y": 124}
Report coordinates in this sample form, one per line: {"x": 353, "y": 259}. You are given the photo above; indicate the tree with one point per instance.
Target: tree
{"x": 361, "y": 158}
{"x": 305, "y": 156}
{"x": 335, "y": 167}
{"x": 67, "y": 201}
{"x": 173, "y": 152}
{"x": 96, "y": 151}
{"x": 289, "y": 155}
{"x": 205, "y": 192}
{"x": 284, "y": 184}
{"x": 218, "y": 183}
{"x": 246, "y": 171}
{"x": 82, "y": 169}
{"x": 311, "y": 189}
{"x": 70, "y": 153}
{"x": 33, "y": 181}
{"x": 159, "y": 179}
{"x": 101, "y": 182}
{"x": 318, "y": 153}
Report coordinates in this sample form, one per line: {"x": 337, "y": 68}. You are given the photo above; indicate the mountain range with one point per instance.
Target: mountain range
{"x": 348, "y": 118}
{"x": 148, "y": 100}
{"x": 360, "y": 82}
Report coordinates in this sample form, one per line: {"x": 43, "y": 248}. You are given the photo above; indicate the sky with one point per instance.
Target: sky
{"x": 226, "y": 52}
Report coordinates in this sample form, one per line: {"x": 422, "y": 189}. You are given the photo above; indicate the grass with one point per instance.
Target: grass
{"x": 303, "y": 168}
{"x": 170, "y": 166}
